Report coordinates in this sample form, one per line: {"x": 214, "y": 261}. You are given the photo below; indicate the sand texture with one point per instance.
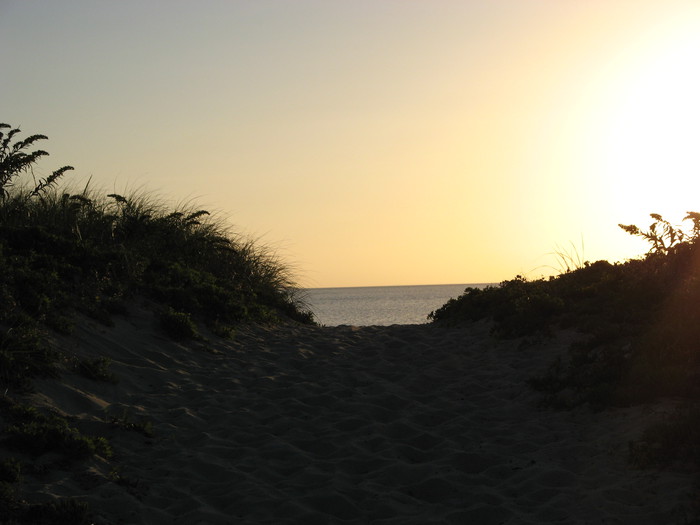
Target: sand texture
{"x": 400, "y": 425}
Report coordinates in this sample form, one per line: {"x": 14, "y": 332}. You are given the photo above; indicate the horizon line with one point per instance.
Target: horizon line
{"x": 394, "y": 285}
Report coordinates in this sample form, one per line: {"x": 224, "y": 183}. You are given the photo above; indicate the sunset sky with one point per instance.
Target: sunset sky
{"x": 375, "y": 142}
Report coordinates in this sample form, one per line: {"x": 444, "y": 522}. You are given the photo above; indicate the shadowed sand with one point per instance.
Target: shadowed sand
{"x": 401, "y": 424}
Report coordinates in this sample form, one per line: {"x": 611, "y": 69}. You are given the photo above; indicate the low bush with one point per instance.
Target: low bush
{"x": 178, "y": 325}
{"x": 96, "y": 369}
{"x": 64, "y": 511}
{"x": 33, "y": 432}
{"x": 672, "y": 441}
{"x": 24, "y": 355}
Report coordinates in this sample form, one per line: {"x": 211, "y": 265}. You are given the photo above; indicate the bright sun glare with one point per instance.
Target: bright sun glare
{"x": 651, "y": 138}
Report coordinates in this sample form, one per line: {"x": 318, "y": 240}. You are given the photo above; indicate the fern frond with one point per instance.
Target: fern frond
{"x": 28, "y": 141}
{"x": 50, "y": 180}
{"x": 20, "y": 161}
{"x": 6, "y": 142}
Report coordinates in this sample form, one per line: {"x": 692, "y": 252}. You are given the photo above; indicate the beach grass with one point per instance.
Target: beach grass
{"x": 66, "y": 252}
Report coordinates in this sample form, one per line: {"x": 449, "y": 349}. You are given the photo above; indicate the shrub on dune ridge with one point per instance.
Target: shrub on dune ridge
{"x": 642, "y": 317}
{"x": 521, "y": 306}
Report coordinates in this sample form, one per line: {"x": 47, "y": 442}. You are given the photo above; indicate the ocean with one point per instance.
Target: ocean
{"x": 380, "y": 305}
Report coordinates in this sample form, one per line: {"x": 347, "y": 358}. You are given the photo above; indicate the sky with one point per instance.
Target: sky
{"x": 375, "y": 142}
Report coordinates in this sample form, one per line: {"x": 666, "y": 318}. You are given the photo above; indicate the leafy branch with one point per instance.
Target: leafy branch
{"x": 14, "y": 161}
{"x": 663, "y": 236}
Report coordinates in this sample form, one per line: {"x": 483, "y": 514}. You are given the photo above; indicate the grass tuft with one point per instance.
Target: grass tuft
{"x": 32, "y": 432}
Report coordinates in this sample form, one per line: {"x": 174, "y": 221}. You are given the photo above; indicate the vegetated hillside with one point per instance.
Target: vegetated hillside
{"x": 90, "y": 252}
{"x": 63, "y": 253}
{"x": 642, "y": 318}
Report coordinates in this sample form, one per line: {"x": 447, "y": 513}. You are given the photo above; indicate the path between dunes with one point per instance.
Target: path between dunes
{"x": 400, "y": 424}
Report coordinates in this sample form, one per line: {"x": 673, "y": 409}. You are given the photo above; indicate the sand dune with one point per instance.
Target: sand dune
{"x": 400, "y": 424}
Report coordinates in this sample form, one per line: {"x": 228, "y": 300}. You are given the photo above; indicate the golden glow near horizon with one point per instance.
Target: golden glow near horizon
{"x": 377, "y": 142}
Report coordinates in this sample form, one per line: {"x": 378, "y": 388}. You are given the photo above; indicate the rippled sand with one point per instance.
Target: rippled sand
{"x": 398, "y": 424}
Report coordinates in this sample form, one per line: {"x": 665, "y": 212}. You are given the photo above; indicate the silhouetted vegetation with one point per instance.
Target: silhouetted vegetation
{"x": 64, "y": 252}
{"x": 641, "y": 318}
{"x": 68, "y": 252}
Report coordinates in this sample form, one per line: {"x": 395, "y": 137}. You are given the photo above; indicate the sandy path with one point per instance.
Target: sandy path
{"x": 402, "y": 424}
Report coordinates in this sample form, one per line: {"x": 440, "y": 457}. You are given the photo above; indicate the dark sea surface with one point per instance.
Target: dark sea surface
{"x": 380, "y": 305}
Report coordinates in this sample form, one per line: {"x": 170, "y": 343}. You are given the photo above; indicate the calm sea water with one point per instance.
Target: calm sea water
{"x": 380, "y": 305}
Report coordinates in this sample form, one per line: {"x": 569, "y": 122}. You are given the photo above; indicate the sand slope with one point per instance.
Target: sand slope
{"x": 402, "y": 424}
